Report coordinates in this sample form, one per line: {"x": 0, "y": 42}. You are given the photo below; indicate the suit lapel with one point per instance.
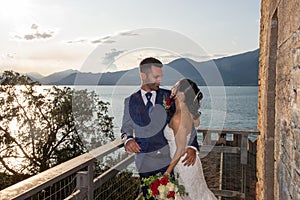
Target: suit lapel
{"x": 159, "y": 97}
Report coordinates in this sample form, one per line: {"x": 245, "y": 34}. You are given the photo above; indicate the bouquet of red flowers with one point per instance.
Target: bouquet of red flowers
{"x": 162, "y": 187}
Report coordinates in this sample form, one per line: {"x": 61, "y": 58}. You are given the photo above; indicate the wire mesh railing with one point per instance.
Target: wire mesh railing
{"x": 229, "y": 162}
{"x": 120, "y": 186}
{"x": 59, "y": 190}
{"x": 228, "y": 159}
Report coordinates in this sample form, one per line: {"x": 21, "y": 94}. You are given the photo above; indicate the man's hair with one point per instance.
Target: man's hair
{"x": 145, "y": 65}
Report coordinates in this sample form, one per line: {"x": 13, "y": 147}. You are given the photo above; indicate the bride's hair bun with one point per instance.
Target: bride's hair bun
{"x": 193, "y": 96}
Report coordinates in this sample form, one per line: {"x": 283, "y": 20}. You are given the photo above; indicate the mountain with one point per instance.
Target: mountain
{"x": 57, "y": 77}
{"x": 236, "y": 70}
{"x": 241, "y": 69}
{"x": 34, "y": 76}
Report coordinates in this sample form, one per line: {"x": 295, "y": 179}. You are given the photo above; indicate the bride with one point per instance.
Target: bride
{"x": 187, "y": 96}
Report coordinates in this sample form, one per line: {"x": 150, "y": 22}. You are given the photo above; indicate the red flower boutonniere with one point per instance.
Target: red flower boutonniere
{"x": 167, "y": 103}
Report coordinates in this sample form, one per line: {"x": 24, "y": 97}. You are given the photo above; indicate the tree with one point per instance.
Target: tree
{"x": 40, "y": 128}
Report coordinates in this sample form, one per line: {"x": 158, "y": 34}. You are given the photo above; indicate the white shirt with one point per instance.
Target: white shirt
{"x": 153, "y": 97}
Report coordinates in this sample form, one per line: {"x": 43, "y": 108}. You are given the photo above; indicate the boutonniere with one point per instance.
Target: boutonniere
{"x": 167, "y": 103}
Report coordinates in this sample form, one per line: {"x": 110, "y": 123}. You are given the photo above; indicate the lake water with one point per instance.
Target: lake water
{"x": 227, "y": 107}
{"x": 222, "y": 107}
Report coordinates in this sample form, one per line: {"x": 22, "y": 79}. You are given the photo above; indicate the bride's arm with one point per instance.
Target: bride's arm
{"x": 180, "y": 139}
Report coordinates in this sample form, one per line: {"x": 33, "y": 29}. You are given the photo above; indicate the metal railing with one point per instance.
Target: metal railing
{"x": 76, "y": 178}
{"x": 235, "y": 167}
{"x": 80, "y": 168}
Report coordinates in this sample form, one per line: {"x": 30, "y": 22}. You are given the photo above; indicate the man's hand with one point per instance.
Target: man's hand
{"x": 132, "y": 147}
{"x": 190, "y": 157}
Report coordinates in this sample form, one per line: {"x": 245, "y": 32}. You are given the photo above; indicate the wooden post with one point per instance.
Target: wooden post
{"x": 244, "y": 152}
{"x": 90, "y": 191}
{"x": 244, "y": 158}
{"x": 82, "y": 181}
{"x": 207, "y": 139}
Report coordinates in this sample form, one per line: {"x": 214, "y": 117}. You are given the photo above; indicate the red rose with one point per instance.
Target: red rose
{"x": 171, "y": 194}
{"x": 152, "y": 186}
{"x": 155, "y": 184}
{"x": 168, "y": 102}
{"x": 164, "y": 181}
{"x": 155, "y": 192}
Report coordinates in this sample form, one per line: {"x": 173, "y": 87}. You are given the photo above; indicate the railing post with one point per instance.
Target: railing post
{"x": 82, "y": 182}
{"x": 90, "y": 194}
{"x": 207, "y": 138}
{"x": 244, "y": 150}
{"x": 244, "y": 161}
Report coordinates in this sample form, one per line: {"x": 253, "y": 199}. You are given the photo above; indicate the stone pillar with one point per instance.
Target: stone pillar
{"x": 279, "y": 101}
{"x": 266, "y": 109}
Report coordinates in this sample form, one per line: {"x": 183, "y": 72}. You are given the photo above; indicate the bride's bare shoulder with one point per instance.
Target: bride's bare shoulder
{"x": 175, "y": 121}
{"x": 180, "y": 120}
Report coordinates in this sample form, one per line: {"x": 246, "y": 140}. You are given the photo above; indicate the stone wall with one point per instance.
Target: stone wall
{"x": 278, "y": 156}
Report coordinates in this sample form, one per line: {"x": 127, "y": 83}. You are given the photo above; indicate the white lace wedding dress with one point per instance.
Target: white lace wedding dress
{"x": 191, "y": 177}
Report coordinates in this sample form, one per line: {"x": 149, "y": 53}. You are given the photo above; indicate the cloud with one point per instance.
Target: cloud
{"x": 8, "y": 56}
{"x": 103, "y": 40}
{"x": 203, "y": 57}
{"x": 109, "y": 57}
{"x": 78, "y": 41}
{"x": 108, "y": 39}
{"x": 34, "y": 26}
{"x": 35, "y": 33}
{"x": 128, "y": 33}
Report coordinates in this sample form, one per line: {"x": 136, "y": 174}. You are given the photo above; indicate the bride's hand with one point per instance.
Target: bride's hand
{"x": 167, "y": 174}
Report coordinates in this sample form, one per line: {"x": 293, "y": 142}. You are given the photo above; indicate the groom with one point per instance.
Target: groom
{"x": 144, "y": 120}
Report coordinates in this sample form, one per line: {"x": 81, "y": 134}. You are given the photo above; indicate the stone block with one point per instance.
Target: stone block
{"x": 296, "y": 40}
{"x": 283, "y": 181}
{"x": 296, "y": 173}
{"x": 293, "y": 192}
{"x": 284, "y": 26}
{"x": 295, "y": 117}
{"x": 295, "y": 76}
{"x": 295, "y": 54}
{"x": 296, "y": 164}
{"x": 297, "y": 140}
{"x": 294, "y": 15}
{"x": 271, "y": 5}
{"x": 286, "y": 159}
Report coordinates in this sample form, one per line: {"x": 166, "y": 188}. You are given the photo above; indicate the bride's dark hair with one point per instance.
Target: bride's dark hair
{"x": 192, "y": 94}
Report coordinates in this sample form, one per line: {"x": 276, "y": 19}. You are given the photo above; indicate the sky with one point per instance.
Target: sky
{"x": 108, "y": 35}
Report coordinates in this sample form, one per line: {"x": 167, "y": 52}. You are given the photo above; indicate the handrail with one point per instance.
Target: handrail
{"x": 34, "y": 184}
{"x": 231, "y": 131}
{"x": 39, "y": 182}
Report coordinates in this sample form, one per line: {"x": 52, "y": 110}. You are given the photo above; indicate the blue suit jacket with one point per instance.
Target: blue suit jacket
{"x": 146, "y": 127}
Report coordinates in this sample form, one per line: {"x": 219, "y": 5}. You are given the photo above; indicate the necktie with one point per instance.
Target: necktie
{"x": 149, "y": 103}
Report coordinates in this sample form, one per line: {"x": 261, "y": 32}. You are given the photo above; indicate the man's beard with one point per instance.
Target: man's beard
{"x": 153, "y": 86}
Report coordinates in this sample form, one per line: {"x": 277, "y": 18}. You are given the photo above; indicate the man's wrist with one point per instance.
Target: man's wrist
{"x": 194, "y": 148}
{"x": 127, "y": 141}
{"x": 125, "y": 138}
